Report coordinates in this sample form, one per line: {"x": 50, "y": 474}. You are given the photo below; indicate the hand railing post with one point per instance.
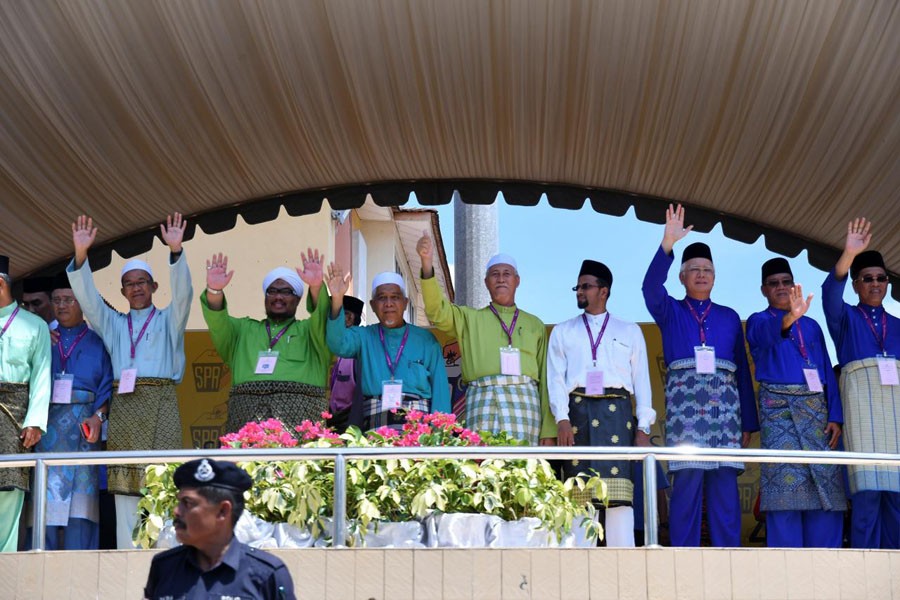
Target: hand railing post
{"x": 340, "y": 501}
{"x": 39, "y": 493}
{"x": 651, "y": 516}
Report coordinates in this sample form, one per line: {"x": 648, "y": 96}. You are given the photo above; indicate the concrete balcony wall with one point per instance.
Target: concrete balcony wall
{"x": 457, "y": 574}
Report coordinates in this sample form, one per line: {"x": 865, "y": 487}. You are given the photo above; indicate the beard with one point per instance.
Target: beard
{"x": 582, "y": 304}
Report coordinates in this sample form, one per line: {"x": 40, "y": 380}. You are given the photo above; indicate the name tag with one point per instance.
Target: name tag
{"x": 887, "y": 370}
{"x": 391, "y": 394}
{"x": 593, "y": 385}
{"x": 265, "y": 364}
{"x": 510, "y": 362}
{"x": 813, "y": 382}
{"x": 62, "y": 389}
{"x": 705, "y": 357}
{"x": 127, "y": 380}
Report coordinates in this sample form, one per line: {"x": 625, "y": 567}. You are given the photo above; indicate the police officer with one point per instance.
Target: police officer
{"x": 211, "y": 563}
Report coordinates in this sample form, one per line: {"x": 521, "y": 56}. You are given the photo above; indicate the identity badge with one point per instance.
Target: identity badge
{"x": 391, "y": 394}
{"x": 593, "y": 385}
{"x": 127, "y": 380}
{"x": 887, "y": 369}
{"x": 265, "y": 364}
{"x": 705, "y": 357}
{"x": 62, "y": 389}
{"x": 510, "y": 361}
{"x": 813, "y": 382}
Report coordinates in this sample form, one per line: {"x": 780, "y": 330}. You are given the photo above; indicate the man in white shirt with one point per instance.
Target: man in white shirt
{"x": 595, "y": 363}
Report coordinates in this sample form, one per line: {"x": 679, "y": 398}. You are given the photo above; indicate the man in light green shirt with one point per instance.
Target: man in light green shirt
{"x": 24, "y": 399}
{"x": 504, "y": 352}
{"x": 279, "y": 366}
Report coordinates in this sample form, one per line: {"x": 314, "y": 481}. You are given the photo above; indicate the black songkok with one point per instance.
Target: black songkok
{"x": 60, "y": 282}
{"x": 4, "y": 264}
{"x": 354, "y": 305}
{"x": 35, "y": 285}
{"x": 696, "y": 250}
{"x": 864, "y": 260}
{"x": 775, "y": 266}
{"x": 598, "y": 270}
{"x": 206, "y": 472}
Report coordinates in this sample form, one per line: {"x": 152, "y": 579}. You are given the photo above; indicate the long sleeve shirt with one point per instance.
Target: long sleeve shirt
{"x": 88, "y": 363}
{"x": 481, "y": 336}
{"x": 160, "y": 351}
{"x": 621, "y": 356}
{"x": 857, "y": 331}
{"x": 420, "y": 367}
{"x": 779, "y": 360}
{"x": 681, "y": 331}
{"x": 25, "y": 358}
{"x": 303, "y": 355}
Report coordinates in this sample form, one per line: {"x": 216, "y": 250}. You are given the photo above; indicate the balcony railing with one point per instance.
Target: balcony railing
{"x": 649, "y": 456}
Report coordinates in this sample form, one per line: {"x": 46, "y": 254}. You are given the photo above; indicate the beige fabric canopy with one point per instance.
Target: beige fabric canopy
{"x": 781, "y": 118}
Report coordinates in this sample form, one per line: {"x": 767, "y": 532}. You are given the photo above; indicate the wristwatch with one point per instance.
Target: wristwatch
{"x": 101, "y": 415}
{"x": 644, "y": 430}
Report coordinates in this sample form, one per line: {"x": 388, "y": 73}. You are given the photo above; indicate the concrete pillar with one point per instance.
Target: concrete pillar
{"x": 476, "y": 239}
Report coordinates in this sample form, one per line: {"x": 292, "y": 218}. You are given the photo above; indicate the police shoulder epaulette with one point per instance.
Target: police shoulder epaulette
{"x": 265, "y": 557}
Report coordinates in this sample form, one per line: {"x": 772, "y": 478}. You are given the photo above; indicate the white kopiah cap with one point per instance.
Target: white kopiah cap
{"x": 501, "y": 259}
{"x": 388, "y": 277}
{"x": 137, "y": 265}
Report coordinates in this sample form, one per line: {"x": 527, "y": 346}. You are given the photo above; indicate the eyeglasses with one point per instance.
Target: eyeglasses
{"x": 774, "y": 283}
{"x": 130, "y": 285}
{"x": 873, "y": 278}
{"x": 272, "y": 292}
{"x": 699, "y": 270}
{"x": 63, "y": 301}
{"x": 586, "y": 286}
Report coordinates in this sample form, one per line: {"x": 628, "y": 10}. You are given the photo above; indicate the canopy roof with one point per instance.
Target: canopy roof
{"x": 775, "y": 118}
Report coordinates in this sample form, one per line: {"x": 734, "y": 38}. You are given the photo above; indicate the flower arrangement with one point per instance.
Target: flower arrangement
{"x": 300, "y": 492}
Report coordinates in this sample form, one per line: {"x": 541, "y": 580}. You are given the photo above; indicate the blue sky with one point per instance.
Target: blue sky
{"x": 626, "y": 245}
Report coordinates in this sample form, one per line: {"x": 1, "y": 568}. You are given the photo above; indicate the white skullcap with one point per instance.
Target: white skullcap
{"x": 501, "y": 259}
{"x": 289, "y": 276}
{"x": 137, "y": 264}
{"x": 386, "y": 278}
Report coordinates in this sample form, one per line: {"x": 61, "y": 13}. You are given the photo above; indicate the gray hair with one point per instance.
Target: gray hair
{"x": 5, "y": 277}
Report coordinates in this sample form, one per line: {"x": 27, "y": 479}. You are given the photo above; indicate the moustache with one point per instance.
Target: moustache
{"x": 178, "y": 523}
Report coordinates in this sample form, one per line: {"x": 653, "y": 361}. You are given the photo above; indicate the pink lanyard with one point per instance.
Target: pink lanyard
{"x": 135, "y": 342}
{"x": 273, "y": 341}
{"x": 594, "y": 345}
{"x": 700, "y": 319}
{"x": 871, "y": 324}
{"x": 512, "y": 325}
{"x": 64, "y": 357}
{"x": 392, "y": 364}
{"x": 9, "y": 321}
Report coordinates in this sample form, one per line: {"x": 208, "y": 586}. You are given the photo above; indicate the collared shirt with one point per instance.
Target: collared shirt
{"x": 303, "y": 355}
{"x": 421, "y": 365}
{"x": 244, "y": 573}
{"x": 160, "y": 351}
{"x": 25, "y": 358}
{"x": 480, "y": 338}
{"x": 853, "y": 337}
{"x": 681, "y": 331}
{"x": 89, "y": 363}
{"x": 621, "y": 356}
{"x": 778, "y": 359}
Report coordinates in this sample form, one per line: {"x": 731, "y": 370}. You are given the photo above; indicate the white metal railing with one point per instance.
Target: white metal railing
{"x": 649, "y": 456}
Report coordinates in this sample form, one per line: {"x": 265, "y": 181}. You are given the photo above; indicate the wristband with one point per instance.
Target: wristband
{"x": 213, "y": 292}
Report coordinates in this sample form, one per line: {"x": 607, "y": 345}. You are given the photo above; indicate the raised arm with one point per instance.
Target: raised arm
{"x": 312, "y": 274}
{"x": 341, "y": 340}
{"x": 440, "y": 311}
{"x": 217, "y": 279}
{"x": 858, "y": 238}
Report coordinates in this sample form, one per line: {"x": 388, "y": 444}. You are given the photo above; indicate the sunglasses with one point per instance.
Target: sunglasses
{"x": 873, "y": 278}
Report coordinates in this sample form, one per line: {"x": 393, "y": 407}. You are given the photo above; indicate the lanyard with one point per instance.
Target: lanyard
{"x": 512, "y": 325}
{"x": 801, "y": 345}
{"x": 273, "y": 341}
{"x": 871, "y": 324}
{"x": 9, "y": 321}
{"x": 700, "y": 319}
{"x": 594, "y": 345}
{"x": 135, "y": 342}
{"x": 64, "y": 357}
{"x": 392, "y": 364}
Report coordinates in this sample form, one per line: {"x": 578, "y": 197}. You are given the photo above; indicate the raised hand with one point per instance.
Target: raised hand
{"x": 172, "y": 232}
{"x": 312, "y": 273}
{"x": 217, "y": 274}
{"x": 425, "y": 249}
{"x": 675, "y": 229}
{"x": 858, "y": 236}
{"x": 83, "y": 235}
{"x": 799, "y": 306}
{"x": 338, "y": 281}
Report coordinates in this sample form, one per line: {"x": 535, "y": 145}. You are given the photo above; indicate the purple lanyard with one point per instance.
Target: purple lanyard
{"x": 801, "y": 345}
{"x": 392, "y": 364}
{"x": 700, "y": 319}
{"x": 594, "y": 345}
{"x": 273, "y": 341}
{"x": 512, "y": 324}
{"x": 135, "y": 342}
{"x": 64, "y": 357}
{"x": 871, "y": 324}
{"x": 9, "y": 321}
